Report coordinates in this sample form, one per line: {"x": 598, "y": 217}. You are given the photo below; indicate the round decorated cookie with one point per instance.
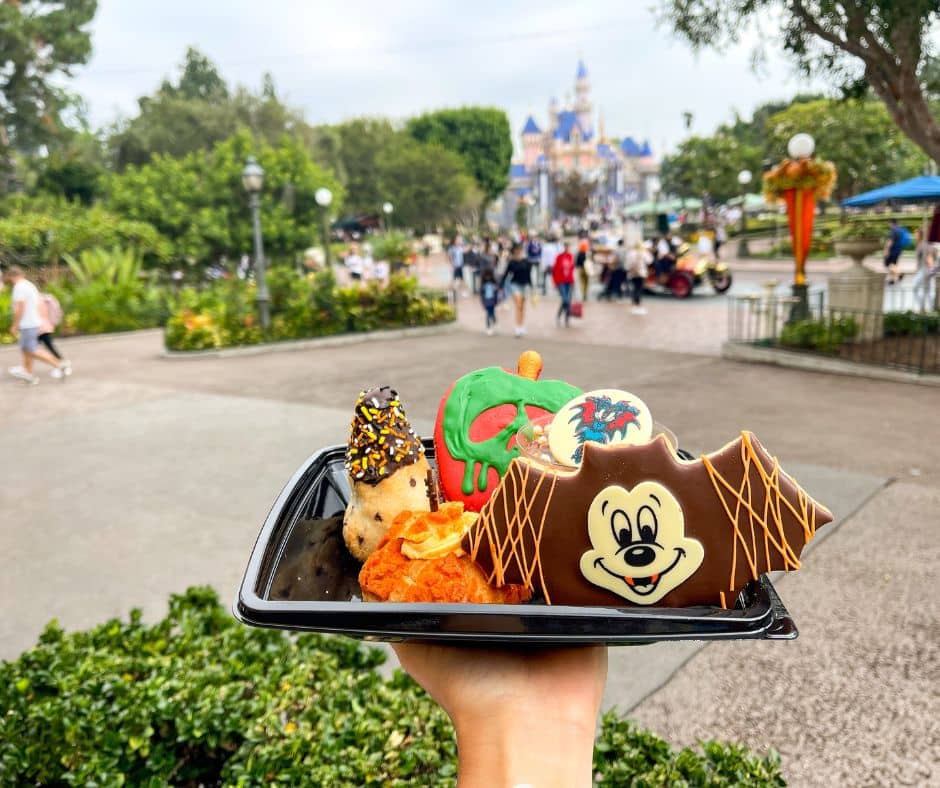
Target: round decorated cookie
{"x": 477, "y": 422}
{"x": 605, "y": 416}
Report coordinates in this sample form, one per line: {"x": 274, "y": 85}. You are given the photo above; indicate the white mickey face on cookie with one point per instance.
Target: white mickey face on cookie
{"x": 605, "y": 416}
{"x": 640, "y": 550}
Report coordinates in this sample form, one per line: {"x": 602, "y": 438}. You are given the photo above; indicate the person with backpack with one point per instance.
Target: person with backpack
{"x": 50, "y": 316}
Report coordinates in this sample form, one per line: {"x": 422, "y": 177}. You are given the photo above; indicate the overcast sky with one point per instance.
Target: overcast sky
{"x": 337, "y": 60}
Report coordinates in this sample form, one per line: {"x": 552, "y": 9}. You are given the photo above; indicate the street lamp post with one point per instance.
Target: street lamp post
{"x": 324, "y": 197}
{"x": 387, "y": 209}
{"x": 253, "y": 181}
{"x": 800, "y": 147}
{"x": 744, "y": 178}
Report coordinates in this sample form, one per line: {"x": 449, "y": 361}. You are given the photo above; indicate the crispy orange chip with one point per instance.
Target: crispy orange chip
{"x": 421, "y": 560}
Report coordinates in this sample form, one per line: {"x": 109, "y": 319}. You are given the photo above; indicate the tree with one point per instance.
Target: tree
{"x": 426, "y": 183}
{"x": 858, "y": 136}
{"x": 573, "y": 194}
{"x": 199, "y": 111}
{"x": 883, "y": 44}
{"x": 74, "y": 170}
{"x": 199, "y": 80}
{"x": 708, "y": 164}
{"x": 198, "y": 201}
{"x": 40, "y": 42}
{"x": 362, "y": 142}
{"x": 479, "y": 135}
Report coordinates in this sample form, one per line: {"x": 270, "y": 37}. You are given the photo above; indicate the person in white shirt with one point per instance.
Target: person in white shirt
{"x": 354, "y": 264}
{"x": 550, "y": 251}
{"x": 27, "y": 320}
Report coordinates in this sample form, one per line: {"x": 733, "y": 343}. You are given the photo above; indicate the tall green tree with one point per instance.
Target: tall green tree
{"x": 199, "y": 79}
{"x": 709, "y": 165}
{"x": 481, "y": 136}
{"x": 197, "y": 111}
{"x": 198, "y": 201}
{"x": 884, "y": 44}
{"x": 858, "y": 136}
{"x": 74, "y": 169}
{"x": 41, "y": 41}
{"x": 362, "y": 142}
{"x": 426, "y": 183}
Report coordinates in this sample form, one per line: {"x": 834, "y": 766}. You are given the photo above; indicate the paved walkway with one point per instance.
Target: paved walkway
{"x": 142, "y": 475}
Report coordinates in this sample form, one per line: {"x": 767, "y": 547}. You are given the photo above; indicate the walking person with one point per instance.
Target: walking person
{"x": 489, "y": 297}
{"x": 563, "y": 276}
{"x": 456, "y": 256}
{"x": 50, "y": 315}
{"x": 550, "y": 250}
{"x": 926, "y": 270}
{"x": 26, "y": 325}
{"x": 638, "y": 260}
{"x": 518, "y": 276}
{"x": 580, "y": 262}
{"x": 721, "y": 238}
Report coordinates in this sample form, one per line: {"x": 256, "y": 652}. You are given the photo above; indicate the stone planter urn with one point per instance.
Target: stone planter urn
{"x": 858, "y": 292}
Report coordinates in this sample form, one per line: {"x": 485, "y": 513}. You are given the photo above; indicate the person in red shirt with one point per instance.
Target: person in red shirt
{"x": 563, "y": 276}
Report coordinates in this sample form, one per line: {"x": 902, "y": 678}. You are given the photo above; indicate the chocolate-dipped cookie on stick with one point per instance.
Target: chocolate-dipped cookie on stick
{"x": 387, "y": 470}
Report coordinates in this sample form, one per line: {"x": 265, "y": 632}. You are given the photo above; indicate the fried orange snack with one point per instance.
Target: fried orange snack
{"x": 420, "y": 559}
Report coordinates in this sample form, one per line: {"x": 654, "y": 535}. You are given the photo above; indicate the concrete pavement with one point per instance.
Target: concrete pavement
{"x": 142, "y": 475}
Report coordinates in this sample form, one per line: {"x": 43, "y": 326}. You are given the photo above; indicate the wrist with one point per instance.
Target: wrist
{"x": 539, "y": 747}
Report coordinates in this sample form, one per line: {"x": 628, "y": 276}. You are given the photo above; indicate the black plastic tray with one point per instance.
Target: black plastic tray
{"x": 301, "y": 577}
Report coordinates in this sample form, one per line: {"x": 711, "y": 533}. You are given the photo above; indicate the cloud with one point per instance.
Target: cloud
{"x": 338, "y": 60}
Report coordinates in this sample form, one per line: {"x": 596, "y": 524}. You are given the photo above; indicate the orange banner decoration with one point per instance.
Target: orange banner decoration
{"x": 798, "y": 184}
{"x": 801, "y": 213}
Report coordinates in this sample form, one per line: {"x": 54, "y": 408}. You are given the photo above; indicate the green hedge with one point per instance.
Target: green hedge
{"x": 826, "y": 336}
{"x": 198, "y": 699}
{"x": 902, "y": 324}
{"x": 301, "y": 307}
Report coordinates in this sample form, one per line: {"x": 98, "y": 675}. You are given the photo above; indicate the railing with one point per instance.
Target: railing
{"x": 902, "y": 339}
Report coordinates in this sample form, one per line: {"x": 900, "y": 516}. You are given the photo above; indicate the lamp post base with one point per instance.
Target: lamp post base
{"x": 744, "y": 250}
{"x": 800, "y": 309}
{"x": 264, "y": 312}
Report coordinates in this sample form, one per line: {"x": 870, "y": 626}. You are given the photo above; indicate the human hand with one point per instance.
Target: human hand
{"x": 521, "y": 715}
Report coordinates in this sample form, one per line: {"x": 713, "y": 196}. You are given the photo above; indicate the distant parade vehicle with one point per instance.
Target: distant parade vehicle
{"x": 689, "y": 272}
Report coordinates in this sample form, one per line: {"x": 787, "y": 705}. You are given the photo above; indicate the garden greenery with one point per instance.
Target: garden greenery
{"x": 199, "y": 699}
{"x": 301, "y": 307}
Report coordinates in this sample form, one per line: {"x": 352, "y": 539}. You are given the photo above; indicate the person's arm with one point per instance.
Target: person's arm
{"x": 524, "y": 716}
{"x": 18, "y": 307}
{"x": 502, "y": 282}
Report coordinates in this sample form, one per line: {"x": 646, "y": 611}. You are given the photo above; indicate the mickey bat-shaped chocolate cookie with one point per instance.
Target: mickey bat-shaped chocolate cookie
{"x": 637, "y": 525}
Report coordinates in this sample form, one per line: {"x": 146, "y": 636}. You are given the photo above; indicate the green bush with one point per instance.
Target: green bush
{"x": 902, "y": 324}
{"x": 40, "y": 238}
{"x": 825, "y": 336}
{"x": 225, "y": 314}
{"x": 198, "y": 699}
{"x": 107, "y": 292}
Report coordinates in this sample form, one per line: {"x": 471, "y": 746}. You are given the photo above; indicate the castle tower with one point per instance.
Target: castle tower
{"x": 531, "y": 142}
{"x": 553, "y": 110}
{"x": 582, "y": 103}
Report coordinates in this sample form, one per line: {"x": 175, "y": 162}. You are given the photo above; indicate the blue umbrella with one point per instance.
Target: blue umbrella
{"x": 924, "y": 188}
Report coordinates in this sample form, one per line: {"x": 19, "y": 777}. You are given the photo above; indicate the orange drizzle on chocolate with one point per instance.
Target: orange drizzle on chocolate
{"x": 533, "y": 530}
{"x": 512, "y": 491}
{"x": 773, "y": 499}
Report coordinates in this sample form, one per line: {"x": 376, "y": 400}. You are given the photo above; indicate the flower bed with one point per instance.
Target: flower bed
{"x": 198, "y": 699}
{"x": 225, "y": 315}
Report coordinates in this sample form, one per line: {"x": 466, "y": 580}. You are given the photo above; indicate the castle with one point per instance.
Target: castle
{"x": 623, "y": 171}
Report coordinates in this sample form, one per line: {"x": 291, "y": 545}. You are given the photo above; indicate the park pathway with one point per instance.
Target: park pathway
{"x": 144, "y": 475}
